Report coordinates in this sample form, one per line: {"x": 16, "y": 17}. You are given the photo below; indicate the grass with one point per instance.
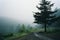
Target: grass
{"x": 17, "y": 35}
{"x": 51, "y": 32}
{"x": 21, "y": 34}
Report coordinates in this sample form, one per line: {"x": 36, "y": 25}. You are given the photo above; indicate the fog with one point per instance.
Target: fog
{"x": 21, "y": 9}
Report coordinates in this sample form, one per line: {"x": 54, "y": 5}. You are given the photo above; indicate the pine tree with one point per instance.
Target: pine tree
{"x": 46, "y": 16}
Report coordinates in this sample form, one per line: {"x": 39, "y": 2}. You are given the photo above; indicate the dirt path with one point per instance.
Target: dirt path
{"x": 28, "y": 37}
{"x": 42, "y": 37}
{"x": 34, "y": 36}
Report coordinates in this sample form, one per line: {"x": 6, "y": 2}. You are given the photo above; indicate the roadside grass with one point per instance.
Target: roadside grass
{"x": 51, "y": 32}
{"x": 21, "y": 34}
{"x": 17, "y": 35}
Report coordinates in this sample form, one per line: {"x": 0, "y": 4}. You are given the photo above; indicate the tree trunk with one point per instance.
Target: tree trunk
{"x": 45, "y": 25}
{"x": 45, "y": 28}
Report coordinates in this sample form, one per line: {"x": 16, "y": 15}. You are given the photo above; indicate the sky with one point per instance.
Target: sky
{"x": 21, "y": 10}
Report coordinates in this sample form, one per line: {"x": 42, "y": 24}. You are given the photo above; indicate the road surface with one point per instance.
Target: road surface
{"x": 34, "y": 36}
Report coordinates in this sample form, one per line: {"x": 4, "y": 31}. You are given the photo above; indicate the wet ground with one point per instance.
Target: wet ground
{"x": 34, "y": 36}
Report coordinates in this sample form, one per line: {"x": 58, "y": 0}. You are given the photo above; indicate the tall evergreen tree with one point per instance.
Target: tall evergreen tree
{"x": 46, "y": 16}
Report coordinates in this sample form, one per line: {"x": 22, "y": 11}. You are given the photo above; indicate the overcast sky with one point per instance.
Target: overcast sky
{"x": 21, "y": 9}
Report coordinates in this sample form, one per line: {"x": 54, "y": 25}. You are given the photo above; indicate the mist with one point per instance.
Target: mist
{"x": 20, "y": 11}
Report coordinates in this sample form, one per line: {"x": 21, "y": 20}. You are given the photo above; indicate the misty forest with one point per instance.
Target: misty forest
{"x": 29, "y": 20}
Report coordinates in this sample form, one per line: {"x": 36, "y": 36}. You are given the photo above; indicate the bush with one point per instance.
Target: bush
{"x": 9, "y": 35}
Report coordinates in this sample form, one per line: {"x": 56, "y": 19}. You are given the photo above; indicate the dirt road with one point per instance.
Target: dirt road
{"x": 34, "y": 36}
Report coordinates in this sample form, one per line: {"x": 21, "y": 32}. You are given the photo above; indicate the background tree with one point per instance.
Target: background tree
{"x": 46, "y": 16}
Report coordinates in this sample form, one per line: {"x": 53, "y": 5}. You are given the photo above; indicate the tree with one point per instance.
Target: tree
{"x": 23, "y": 28}
{"x": 46, "y": 16}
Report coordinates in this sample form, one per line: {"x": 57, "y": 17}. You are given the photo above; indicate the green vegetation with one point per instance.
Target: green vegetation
{"x": 24, "y": 30}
